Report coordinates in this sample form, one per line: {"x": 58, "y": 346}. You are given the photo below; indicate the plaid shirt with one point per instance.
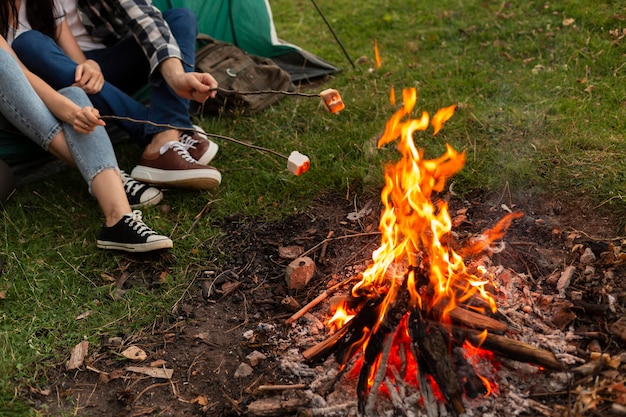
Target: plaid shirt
{"x": 112, "y": 21}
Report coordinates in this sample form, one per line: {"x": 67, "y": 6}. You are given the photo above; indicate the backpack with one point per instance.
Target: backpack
{"x": 237, "y": 73}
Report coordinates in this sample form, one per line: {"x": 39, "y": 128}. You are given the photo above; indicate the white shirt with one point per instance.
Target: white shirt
{"x": 84, "y": 39}
{"x": 67, "y": 10}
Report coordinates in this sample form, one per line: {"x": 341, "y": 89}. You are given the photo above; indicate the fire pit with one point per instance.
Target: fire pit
{"x": 423, "y": 320}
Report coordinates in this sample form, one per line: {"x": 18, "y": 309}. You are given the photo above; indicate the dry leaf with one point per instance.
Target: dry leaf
{"x": 83, "y": 315}
{"x": 134, "y": 354}
{"x": 3, "y": 295}
{"x": 163, "y": 373}
{"x": 157, "y": 363}
{"x": 77, "y": 355}
{"x": 568, "y": 21}
{"x": 201, "y": 400}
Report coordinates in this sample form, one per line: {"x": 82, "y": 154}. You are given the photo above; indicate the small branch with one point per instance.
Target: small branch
{"x": 317, "y": 300}
{"x": 325, "y": 241}
{"x": 281, "y": 92}
{"x": 280, "y": 387}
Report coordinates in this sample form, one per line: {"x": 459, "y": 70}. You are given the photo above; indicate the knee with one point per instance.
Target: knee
{"x": 182, "y": 21}
{"x": 77, "y": 95}
{"x": 31, "y": 41}
{"x": 5, "y": 58}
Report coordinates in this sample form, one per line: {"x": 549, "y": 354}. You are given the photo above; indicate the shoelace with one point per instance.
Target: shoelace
{"x": 137, "y": 224}
{"x": 187, "y": 141}
{"x": 182, "y": 151}
{"x": 131, "y": 185}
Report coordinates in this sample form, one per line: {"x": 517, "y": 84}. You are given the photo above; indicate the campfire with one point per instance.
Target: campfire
{"x": 423, "y": 310}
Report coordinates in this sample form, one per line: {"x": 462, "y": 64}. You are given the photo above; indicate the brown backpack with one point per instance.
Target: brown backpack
{"x": 241, "y": 76}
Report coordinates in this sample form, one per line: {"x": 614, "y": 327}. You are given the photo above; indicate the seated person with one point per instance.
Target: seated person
{"x": 110, "y": 49}
{"x": 65, "y": 124}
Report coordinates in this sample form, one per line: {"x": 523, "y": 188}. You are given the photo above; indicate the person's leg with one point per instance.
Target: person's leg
{"x": 95, "y": 158}
{"x": 45, "y": 58}
{"x": 21, "y": 105}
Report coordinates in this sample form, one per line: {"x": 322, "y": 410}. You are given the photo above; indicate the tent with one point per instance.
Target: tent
{"x": 249, "y": 25}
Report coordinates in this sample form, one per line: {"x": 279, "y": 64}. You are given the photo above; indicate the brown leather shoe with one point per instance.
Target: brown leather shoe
{"x": 174, "y": 167}
{"x": 198, "y": 145}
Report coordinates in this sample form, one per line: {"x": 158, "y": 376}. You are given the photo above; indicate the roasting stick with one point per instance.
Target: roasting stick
{"x": 297, "y": 163}
{"x": 330, "y": 96}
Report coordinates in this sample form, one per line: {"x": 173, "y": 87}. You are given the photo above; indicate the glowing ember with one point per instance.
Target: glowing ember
{"x": 415, "y": 274}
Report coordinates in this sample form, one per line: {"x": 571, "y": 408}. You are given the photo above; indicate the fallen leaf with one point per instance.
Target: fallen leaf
{"x": 568, "y": 21}
{"x": 134, "y": 354}
{"x": 163, "y": 373}
{"x": 157, "y": 363}
{"x": 77, "y": 355}
{"x": 83, "y": 315}
{"x": 201, "y": 400}
{"x": 3, "y": 295}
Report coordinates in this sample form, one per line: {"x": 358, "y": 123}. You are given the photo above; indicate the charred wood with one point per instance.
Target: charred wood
{"x": 432, "y": 352}
{"x": 472, "y": 384}
{"x": 374, "y": 350}
{"x": 515, "y": 349}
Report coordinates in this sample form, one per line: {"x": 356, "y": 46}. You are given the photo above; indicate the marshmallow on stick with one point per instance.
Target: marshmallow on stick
{"x": 298, "y": 163}
{"x": 332, "y": 100}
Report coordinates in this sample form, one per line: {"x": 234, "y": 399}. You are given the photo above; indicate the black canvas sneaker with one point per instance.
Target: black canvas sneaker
{"x": 138, "y": 193}
{"x": 131, "y": 234}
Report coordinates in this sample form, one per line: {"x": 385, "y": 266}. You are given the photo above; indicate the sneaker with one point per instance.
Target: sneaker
{"x": 138, "y": 193}
{"x": 198, "y": 145}
{"x": 132, "y": 235}
{"x": 176, "y": 168}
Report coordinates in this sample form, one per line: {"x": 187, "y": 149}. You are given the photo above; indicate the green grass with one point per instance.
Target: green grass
{"x": 541, "y": 111}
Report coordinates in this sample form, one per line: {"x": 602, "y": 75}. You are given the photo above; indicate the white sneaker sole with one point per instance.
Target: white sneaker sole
{"x": 136, "y": 247}
{"x": 202, "y": 179}
{"x": 209, "y": 154}
{"x": 156, "y": 199}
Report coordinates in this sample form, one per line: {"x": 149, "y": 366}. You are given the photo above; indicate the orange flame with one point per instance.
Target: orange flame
{"x": 411, "y": 224}
{"x": 376, "y": 54}
{"x": 415, "y": 248}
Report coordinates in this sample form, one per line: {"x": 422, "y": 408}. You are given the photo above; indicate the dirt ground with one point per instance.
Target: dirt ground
{"x": 228, "y": 314}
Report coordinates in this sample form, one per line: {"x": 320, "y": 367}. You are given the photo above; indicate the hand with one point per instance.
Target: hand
{"x": 89, "y": 77}
{"x": 197, "y": 86}
{"x": 86, "y": 120}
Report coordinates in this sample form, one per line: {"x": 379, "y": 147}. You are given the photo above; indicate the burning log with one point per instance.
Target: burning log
{"x": 516, "y": 350}
{"x": 431, "y": 347}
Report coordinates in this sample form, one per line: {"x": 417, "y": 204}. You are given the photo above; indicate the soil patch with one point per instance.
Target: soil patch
{"x": 227, "y": 343}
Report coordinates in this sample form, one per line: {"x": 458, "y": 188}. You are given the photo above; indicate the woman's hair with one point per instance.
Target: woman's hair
{"x": 41, "y": 16}
{"x": 8, "y": 15}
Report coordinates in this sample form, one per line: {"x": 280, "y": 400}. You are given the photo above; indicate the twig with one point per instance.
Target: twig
{"x": 325, "y": 244}
{"x": 283, "y": 92}
{"x": 280, "y": 387}
{"x": 317, "y": 300}
{"x": 214, "y": 135}
{"x": 199, "y": 216}
{"x": 325, "y": 241}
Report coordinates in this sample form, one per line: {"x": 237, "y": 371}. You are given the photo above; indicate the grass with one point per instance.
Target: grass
{"x": 541, "y": 99}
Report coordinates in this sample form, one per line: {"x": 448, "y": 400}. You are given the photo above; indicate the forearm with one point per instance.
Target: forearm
{"x": 171, "y": 68}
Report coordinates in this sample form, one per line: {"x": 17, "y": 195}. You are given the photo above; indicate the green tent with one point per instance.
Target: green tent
{"x": 249, "y": 25}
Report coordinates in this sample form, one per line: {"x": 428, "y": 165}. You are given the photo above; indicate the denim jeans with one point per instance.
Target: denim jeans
{"x": 126, "y": 69}
{"x": 21, "y": 105}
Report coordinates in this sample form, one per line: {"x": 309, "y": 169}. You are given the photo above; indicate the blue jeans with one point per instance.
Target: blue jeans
{"x": 21, "y": 105}
{"x": 126, "y": 70}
